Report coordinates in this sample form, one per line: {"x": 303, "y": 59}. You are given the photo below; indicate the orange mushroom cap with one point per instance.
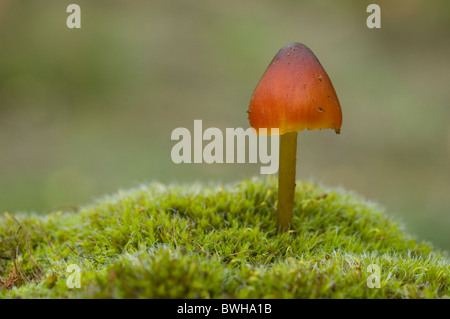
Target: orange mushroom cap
{"x": 295, "y": 93}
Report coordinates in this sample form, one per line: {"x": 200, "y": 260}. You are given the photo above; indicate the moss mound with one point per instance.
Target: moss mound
{"x": 197, "y": 241}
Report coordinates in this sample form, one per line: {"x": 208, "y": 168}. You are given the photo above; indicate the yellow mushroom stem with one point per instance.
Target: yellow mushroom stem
{"x": 286, "y": 180}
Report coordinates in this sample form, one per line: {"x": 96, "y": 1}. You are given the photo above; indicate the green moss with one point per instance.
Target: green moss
{"x": 197, "y": 241}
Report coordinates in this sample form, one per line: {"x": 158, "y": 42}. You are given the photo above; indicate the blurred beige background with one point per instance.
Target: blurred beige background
{"x": 86, "y": 112}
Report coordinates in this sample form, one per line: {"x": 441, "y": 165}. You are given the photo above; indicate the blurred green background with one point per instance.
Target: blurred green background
{"x": 85, "y": 112}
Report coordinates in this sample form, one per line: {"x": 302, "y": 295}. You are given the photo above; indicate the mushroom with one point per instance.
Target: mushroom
{"x": 294, "y": 93}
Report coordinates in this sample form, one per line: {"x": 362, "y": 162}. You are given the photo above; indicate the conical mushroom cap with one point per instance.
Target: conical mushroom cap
{"x": 295, "y": 93}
